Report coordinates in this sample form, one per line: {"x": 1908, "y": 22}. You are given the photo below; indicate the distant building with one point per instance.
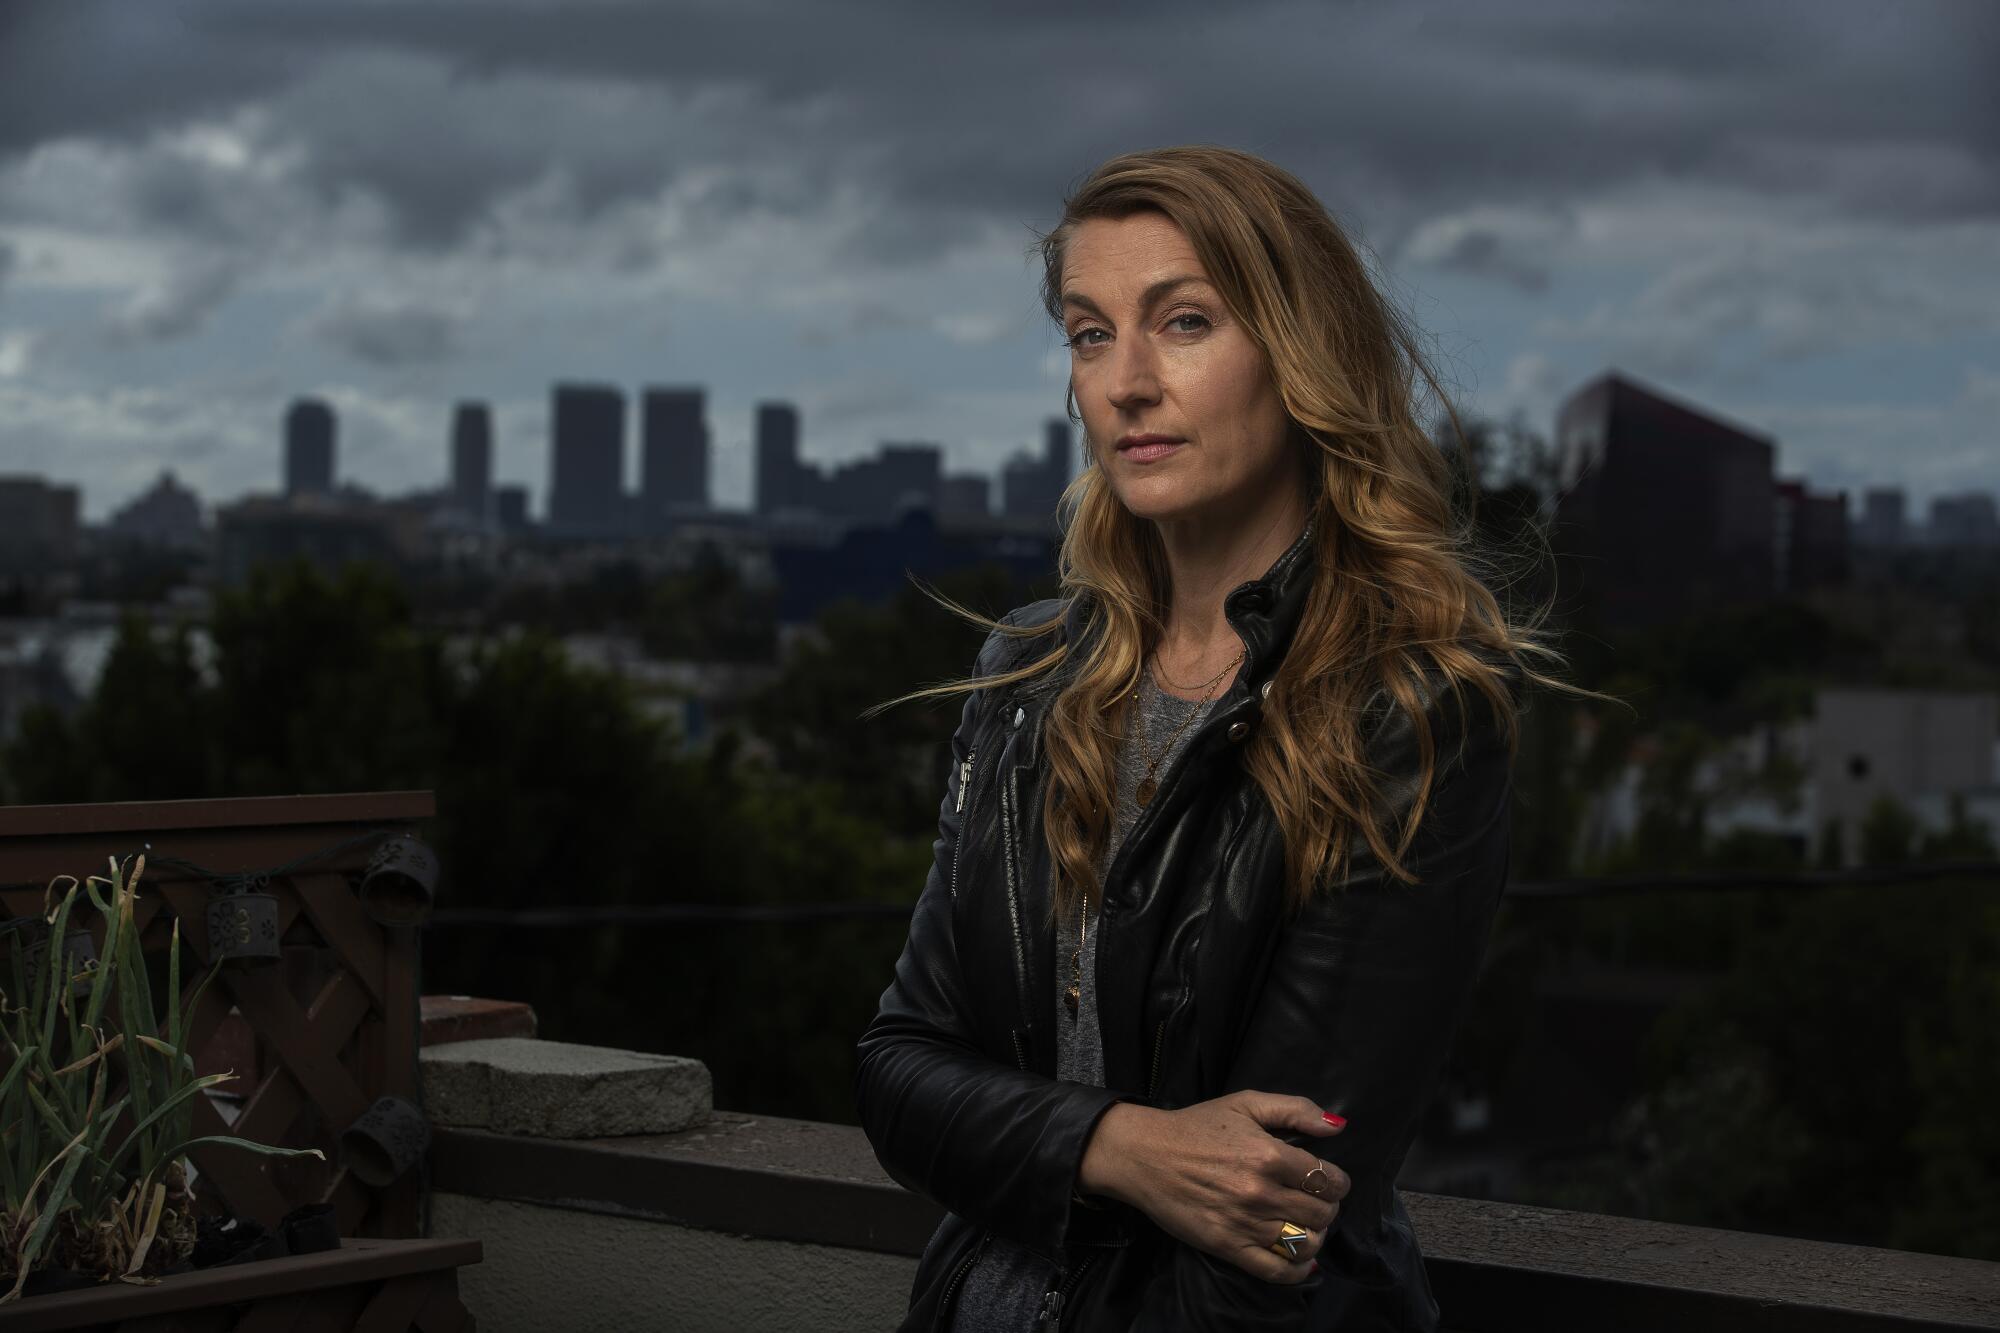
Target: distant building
{"x": 673, "y": 460}
{"x": 510, "y": 510}
{"x": 779, "y": 481}
{"x": 472, "y": 462}
{"x": 1031, "y": 485}
{"x": 1916, "y": 747}
{"x": 38, "y": 525}
{"x": 873, "y": 561}
{"x": 309, "y": 444}
{"x": 328, "y": 533}
{"x": 1966, "y": 520}
{"x": 1884, "y": 518}
{"x": 167, "y": 514}
{"x": 964, "y": 495}
{"x": 1663, "y": 509}
{"x": 1809, "y": 538}
{"x": 587, "y": 470}
{"x": 897, "y": 478}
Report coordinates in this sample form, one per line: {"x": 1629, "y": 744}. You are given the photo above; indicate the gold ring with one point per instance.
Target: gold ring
{"x": 1324, "y": 1180}
{"x": 1290, "y": 1237}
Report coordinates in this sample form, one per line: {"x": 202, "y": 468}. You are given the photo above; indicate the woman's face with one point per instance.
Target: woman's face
{"x": 1153, "y": 351}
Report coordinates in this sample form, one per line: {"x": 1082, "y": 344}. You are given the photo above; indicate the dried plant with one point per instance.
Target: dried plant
{"x": 97, "y": 1099}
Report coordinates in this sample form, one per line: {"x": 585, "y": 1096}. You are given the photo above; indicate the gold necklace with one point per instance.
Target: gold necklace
{"x": 1148, "y": 788}
{"x": 1074, "y": 994}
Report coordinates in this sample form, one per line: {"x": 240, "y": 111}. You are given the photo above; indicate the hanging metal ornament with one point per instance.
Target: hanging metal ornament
{"x": 400, "y": 882}
{"x": 243, "y": 928}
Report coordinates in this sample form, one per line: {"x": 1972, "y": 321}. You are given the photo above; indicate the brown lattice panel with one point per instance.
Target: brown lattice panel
{"x": 336, "y": 1021}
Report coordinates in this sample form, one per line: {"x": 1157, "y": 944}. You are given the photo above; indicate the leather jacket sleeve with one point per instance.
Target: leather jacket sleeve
{"x": 996, "y": 1144}
{"x": 1359, "y": 1004}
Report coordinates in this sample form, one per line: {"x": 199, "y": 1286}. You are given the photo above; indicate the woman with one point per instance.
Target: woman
{"x": 1226, "y": 823}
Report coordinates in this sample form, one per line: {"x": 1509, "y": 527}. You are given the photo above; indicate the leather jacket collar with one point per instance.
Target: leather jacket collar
{"x": 1263, "y": 611}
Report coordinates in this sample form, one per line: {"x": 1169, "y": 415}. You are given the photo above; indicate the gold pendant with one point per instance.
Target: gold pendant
{"x": 1070, "y": 998}
{"x": 1146, "y": 789}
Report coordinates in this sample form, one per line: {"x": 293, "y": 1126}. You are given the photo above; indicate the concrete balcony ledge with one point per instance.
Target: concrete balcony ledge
{"x": 761, "y": 1222}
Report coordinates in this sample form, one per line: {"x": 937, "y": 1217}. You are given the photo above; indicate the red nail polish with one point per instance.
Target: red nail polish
{"x": 1313, "y": 1269}
{"x": 1335, "y": 1120}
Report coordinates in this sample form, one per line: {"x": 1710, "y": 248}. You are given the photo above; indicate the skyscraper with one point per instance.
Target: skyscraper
{"x": 673, "y": 459}
{"x": 309, "y": 439}
{"x": 587, "y": 460}
{"x": 1665, "y": 508}
{"x": 777, "y": 456}
{"x": 472, "y": 461}
{"x": 1058, "y": 452}
{"x": 1884, "y": 517}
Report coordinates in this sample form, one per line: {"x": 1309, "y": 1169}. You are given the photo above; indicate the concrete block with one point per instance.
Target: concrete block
{"x": 558, "y": 1090}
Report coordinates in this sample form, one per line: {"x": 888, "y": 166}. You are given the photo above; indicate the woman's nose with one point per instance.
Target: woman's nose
{"x": 1134, "y": 373}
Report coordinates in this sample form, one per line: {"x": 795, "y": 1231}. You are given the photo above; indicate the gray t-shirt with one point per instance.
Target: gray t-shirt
{"x": 1002, "y": 1292}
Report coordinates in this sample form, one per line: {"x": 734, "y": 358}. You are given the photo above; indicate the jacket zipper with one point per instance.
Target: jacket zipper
{"x": 958, "y": 1276}
{"x": 1159, "y": 1036}
{"x": 964, "y": 779}
{"x": 1052, "y": 1302}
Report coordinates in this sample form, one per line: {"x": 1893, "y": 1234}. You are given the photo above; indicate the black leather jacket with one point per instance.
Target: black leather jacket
{"x": 1201, "y": 992}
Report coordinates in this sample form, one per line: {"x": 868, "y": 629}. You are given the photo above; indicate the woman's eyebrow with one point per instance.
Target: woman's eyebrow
{"x": 1147, "y": 299}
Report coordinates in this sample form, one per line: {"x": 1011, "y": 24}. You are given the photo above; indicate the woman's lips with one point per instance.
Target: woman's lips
{"x": 1147, "y": 453}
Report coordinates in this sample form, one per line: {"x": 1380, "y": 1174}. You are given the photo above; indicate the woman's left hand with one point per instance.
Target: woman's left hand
{"x": 1213, "y": 1176}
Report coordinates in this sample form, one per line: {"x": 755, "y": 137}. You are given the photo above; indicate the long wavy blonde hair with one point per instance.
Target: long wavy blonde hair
{"x": 1396, "y": 569}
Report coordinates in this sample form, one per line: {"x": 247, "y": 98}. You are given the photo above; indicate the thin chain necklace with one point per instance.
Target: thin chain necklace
{"x": 1073, "y": 996}
{"x": 1147, "y": 787}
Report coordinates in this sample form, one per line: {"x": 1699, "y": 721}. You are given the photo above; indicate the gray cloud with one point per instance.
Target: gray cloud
{"x": 956, "y": 120}
{"x": 390, "y": 335}
{"x": 178, "y": 304}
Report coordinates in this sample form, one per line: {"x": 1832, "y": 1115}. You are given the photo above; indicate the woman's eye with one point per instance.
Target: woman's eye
{"x": 1199, "y": 319}
{"x": 1077, "y": 339}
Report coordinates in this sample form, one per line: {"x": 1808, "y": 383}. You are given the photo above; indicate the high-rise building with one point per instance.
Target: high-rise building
{"x": 309, "y": 441}
{"x": 39, "y": 525}
{"x": 510, "y": 509}
{"x": 1058, "y": 452}
{"x": 778, "y": 470}
{"x": 965, "y": 495}
{"x": 1884, "y": 517}
{"x": 1809, "y": 537}
{"x": 472, "y": 462}
{"x": 673, "y": 459}
{"x": 1965, "y": 520}
{"x": 587, "y": 461}
{"x": 1032, "y": 484}
{"x": 1663, "y": 509}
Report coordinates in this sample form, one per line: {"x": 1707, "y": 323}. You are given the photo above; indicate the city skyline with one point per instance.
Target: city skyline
{"x": 1789, "y": 213}
{"x": 650, "y": 441}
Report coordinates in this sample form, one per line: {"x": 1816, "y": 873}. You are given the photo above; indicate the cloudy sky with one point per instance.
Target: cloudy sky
{"x": 1786, "y": 212}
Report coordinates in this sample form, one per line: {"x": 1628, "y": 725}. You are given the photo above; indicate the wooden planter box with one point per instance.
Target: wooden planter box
{"x": 328, "y": 1031}
{"x": 384, "y": 1286}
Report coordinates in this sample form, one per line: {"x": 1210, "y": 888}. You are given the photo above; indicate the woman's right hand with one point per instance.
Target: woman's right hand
{"x": 1214, "y": 1177}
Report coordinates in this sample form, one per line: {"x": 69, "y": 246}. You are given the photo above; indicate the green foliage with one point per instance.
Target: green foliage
{"x": 1834, "y": 1082}
{"x": 889, "y": 767}
{"x": 1889, "y": 833}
